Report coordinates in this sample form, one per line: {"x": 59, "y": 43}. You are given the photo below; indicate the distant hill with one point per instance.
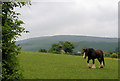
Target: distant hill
{"x": 33, "y": 44}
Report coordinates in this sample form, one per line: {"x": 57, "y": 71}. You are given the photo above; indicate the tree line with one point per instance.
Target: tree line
{"x": 67, "y": 48}
{"x": 60, "y": 48}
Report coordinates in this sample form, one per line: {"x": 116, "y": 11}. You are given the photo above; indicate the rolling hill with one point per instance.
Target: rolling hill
{"x": 33, "y": 44}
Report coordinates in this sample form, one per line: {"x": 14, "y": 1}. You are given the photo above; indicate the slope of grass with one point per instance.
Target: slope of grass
{"x": 55, "y": 66}
{"x": 103, "y": 43}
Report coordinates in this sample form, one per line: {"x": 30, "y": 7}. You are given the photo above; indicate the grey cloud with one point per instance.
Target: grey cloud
{"x": 70, "y": 18}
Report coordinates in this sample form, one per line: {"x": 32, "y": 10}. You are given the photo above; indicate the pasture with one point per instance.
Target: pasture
{"x": 57, "y": 66}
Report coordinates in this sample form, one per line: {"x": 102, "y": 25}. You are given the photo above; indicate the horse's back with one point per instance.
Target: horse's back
{"x": 99, "y": 52}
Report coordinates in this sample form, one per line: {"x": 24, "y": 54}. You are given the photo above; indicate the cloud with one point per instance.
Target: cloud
{"x": 77, "y": 17}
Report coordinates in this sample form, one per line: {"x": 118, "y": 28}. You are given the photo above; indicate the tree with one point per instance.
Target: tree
{"x": 42, "y": 50}
{"x": 68, "y": 47}
{"x": 56, "y": 48}
{"x": 11, "y": 29}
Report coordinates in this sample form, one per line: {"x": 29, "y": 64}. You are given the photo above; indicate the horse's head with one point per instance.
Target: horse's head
{"x": 85, "y": 51}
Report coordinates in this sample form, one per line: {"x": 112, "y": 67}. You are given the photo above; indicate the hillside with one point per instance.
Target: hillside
{"x": 33, "y": 44}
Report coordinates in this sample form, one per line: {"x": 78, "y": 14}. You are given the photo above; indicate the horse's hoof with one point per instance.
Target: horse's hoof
{"x": 93, "y": 67}
{"x": 101, "y": 66}
{"x": 89, "y": 65}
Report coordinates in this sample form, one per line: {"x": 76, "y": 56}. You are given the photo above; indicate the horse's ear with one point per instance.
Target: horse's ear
{"x": 84, "y": 49}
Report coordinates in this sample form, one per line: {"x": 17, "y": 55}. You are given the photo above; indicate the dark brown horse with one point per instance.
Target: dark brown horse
{"x": 93, "y": 54}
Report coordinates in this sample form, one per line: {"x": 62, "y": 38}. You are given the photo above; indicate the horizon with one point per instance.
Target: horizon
{"x": 70, "y": 35}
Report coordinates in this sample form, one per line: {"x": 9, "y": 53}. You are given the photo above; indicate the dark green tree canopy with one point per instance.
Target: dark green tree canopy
{"x": 66, "y": 46}
{"x": 11, "y": 29}
{"x": 55, "y": 48}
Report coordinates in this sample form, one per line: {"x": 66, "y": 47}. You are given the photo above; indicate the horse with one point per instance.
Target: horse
{"x": 94, "y": 54}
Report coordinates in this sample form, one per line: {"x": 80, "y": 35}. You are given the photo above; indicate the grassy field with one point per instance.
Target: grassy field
{"x": 56, "y": 66}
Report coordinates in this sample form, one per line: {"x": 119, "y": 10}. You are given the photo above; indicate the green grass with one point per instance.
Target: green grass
{"x": 56, "y": 66}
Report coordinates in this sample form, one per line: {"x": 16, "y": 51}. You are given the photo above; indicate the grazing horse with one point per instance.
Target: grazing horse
{"x": 93, "y": 54}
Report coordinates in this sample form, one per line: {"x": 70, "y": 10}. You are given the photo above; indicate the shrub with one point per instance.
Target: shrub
{"x": 107, "y": 54}
{"x": 51, "y": 50}
{"x": 42, "y": 50}
{"x": 11, "y": 30}
{"x": 114, "y": 55}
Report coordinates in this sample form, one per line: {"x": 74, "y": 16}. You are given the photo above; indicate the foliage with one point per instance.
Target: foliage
{"x": 11, "y": 29}
{"x": 107, "y": 54}
{"x": 114, "y": 55}
{"x": 66, "y": 46}
{"x": 55, "y": 48}
{"x": 42, "y": 50}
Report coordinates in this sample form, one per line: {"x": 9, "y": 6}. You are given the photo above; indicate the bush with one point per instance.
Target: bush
{"x": 42, "y": 50}
{"x": 114, "y": 55}
{"x": 53, "y": 51}
{"x": 107, "y": 54}
{"x": 11, "y": 30}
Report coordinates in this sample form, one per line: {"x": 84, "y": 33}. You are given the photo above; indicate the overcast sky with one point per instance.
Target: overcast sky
{"x": 70, "y": 17}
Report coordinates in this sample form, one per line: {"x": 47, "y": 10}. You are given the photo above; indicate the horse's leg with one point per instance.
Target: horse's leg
{"x": 93, "y": 64}
{"x": 102, "y": 60}
{"x": 88, "y": 63}
{"x": 101, "y": 63}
